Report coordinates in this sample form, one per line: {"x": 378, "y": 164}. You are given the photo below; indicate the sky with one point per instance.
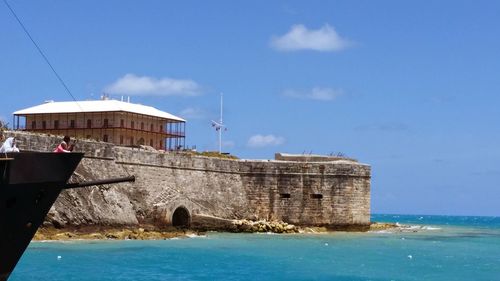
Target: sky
{"x": 410, "y": 87}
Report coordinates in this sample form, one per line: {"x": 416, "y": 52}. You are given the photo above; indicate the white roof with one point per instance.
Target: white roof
{"x": 96, "y": 106}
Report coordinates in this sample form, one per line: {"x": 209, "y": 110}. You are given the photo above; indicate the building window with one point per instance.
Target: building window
{"x": 72, "y": 124}
{"x": 316, "y": 196}
{"x": 56, "y": 124}
{"x": 161, "y": 128}
{"x": 44, "y": 124}
{"x": 122, "y": 123}
{"x": 131, "y": 140}
{"x": 152, "y": 127}
{"x": 89, "y": 123}
{"x": 142, "y": 125}
{"x": 33, "y": 124}
{"x": 161, "y": 144}
{"x": 132, "y": 124}
{"x": 105, "y": 125}
{"x": 121, "y": 139}
{"x": 285, "y": 195}
{"x": 105, "y": 138}
{"x": 151, "y": 142}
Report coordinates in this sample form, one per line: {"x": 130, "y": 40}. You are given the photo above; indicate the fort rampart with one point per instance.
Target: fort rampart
{"x": 327, "y": 192}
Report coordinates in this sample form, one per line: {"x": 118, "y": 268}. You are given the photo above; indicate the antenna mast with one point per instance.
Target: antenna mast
{"x": 219, "y": 126}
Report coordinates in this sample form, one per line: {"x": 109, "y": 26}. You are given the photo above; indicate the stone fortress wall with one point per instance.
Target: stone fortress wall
{"x": 328, "y": 192}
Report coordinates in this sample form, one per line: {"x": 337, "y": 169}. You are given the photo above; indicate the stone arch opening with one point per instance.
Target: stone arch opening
{"x": 181, "y": 218}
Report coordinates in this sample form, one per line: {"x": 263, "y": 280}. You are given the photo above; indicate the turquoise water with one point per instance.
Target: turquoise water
{"x": 444, "y": 248}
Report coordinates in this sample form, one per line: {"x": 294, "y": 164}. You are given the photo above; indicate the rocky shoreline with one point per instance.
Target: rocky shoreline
{"x": 109, "y": 233}
{"x": 148, "y": 232}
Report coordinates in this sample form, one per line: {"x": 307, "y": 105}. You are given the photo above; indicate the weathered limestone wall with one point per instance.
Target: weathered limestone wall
{"x": 335, "y": 193}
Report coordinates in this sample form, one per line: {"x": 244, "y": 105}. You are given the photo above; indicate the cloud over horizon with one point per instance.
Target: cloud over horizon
{"x": 259, "y": 141}
{"x": 299, "y": 37}
{"x": 131, "y": 84}
{"x": 316, "y": 93}
{"x": 193, "y": 113}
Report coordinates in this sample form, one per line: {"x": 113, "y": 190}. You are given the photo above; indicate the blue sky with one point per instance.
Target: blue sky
{"x": 410, "y": 87}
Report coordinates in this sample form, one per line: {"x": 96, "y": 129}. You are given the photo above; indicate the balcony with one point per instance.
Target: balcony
{"x": 39, "y": 128}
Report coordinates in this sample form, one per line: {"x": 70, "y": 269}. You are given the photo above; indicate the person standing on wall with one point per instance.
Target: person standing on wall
{"x": 64, "y": 146}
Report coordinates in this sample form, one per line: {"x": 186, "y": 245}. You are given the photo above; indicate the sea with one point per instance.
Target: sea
{"x": 427, "y": 248}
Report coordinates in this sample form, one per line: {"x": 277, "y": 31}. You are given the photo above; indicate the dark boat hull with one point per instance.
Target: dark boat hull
{"x": 29, "y": 185}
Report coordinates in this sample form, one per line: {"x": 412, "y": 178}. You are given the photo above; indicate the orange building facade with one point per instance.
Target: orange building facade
{"x": 116, "y": 122}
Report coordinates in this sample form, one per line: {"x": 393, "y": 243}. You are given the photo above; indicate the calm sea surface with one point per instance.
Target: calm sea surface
{"x": 444, "y": 248}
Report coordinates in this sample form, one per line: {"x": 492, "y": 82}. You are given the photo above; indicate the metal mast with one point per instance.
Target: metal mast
{"x": 219, "y": 126}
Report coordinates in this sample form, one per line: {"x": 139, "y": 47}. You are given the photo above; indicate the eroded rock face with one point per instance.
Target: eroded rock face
{"x": 300, "y": 193}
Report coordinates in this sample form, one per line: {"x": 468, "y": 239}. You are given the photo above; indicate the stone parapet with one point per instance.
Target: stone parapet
{"x": 331, "y": 193}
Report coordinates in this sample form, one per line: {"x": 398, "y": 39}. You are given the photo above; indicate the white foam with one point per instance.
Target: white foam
{"x": 431, "y": 228}
{"x": 192, "y": 235}
{"x": 381, "y": 231}
{"x": 418, "y": 227}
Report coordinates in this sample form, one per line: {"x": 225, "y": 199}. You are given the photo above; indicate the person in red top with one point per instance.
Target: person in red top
{"x": 64, "y": 146}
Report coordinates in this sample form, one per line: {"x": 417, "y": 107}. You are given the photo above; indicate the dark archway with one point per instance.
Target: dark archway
{"x": 181, "y": 218}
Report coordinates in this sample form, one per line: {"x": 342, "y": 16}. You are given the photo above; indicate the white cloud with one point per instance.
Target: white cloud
{"x": 257, "y": 141}
{"x": 316, "y": 93}
{"x": 193, "y": 113}
{"x": 300, "y": 38}
{"x": 131, "y": 84}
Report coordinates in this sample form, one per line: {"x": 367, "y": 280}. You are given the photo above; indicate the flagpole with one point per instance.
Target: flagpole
{"x": 220, "y": 130}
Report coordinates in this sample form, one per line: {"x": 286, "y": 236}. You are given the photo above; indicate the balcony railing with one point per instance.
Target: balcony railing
{"x": 176, "y": 133}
